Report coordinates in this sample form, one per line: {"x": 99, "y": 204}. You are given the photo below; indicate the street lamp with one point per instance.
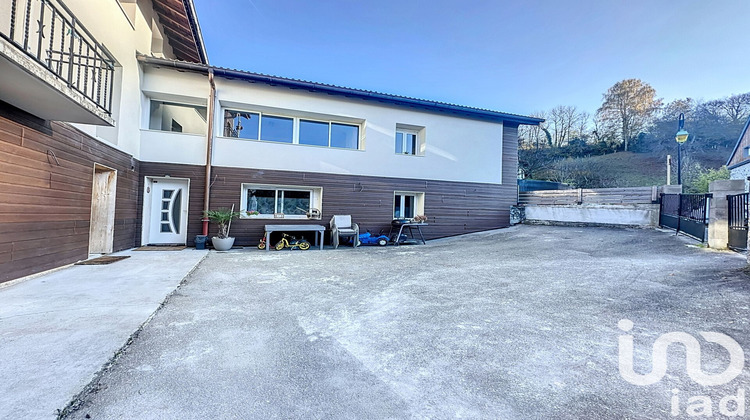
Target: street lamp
{"x": 680, "y": 137}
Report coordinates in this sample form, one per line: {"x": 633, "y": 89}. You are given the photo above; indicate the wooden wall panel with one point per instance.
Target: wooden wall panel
{"x": 744, "y": 141}
{"x": 46, "y": 175}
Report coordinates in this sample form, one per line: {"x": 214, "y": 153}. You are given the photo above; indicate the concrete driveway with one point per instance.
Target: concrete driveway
{"x": 520, "y": 323}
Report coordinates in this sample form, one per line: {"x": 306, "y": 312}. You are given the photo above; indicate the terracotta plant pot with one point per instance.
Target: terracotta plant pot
{"x": 222, "y": 244}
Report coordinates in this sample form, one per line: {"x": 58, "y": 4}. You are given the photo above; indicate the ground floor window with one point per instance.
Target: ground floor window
{"x": 276, "y": 201}
{"x": 406, "y": 205}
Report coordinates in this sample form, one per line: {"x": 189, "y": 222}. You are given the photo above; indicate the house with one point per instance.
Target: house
{"x": 116, "y": 132}
{"x": 739, "y": 161}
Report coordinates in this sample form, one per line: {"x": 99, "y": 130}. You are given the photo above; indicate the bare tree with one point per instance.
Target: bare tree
{"x": 736, "y": 107}
{"x": 631, "y": 105}
{"x": 563, "y": 119}
{"x": 532, "y": 136}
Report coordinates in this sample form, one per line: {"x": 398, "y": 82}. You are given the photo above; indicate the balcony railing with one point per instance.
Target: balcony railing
{"x": 48, "y": 31}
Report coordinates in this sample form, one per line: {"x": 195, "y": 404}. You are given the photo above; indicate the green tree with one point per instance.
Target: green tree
{"x": 706, "y": 177}
{"x": 629, "y": 105}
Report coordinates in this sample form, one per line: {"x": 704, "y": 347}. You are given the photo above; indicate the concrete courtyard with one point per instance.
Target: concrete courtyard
{"x": 519, "y": 323}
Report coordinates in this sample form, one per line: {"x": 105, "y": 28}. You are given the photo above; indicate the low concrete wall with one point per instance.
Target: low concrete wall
{"x": 644, "y": 215}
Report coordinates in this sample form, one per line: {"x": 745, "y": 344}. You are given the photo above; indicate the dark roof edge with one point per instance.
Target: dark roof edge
{"x": 192, "y": 16}
{"x": 737, "y": 165}
{"x": 739, "y": 140}
{"x": 483, "y": 114}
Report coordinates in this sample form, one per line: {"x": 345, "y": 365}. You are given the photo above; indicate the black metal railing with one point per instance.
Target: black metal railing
{"x": 687, "y": 213}
{"x": 737, "y": 204}
{"x": 48, "y": 31}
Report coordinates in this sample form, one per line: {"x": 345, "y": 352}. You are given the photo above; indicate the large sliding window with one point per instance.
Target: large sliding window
{"x": 284, "y": 129}
{"x": 278, "y": 129}
{"x": 274, "y": 201}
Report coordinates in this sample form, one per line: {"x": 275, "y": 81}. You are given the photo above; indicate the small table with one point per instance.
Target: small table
{"x": 318, "y": 229}
{"x": 411, "y": 226}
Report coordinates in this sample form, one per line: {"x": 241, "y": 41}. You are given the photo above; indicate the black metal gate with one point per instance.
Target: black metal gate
{"x": 737, "y": 205}
{"x": 686, "y": 213}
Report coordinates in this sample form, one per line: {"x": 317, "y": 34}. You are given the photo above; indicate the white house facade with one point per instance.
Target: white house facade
{"x": 157, "y": 135}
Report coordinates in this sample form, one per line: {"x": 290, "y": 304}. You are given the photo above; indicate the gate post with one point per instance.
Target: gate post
{"x": 718, "y": 214}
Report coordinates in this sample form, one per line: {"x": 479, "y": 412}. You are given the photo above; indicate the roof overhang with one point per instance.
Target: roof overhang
{"x": 737, "y": 146}
{"x": 180, "y": 23}
{"x": 403, "y": 101}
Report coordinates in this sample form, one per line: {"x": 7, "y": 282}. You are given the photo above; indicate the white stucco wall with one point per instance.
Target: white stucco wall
{"x": 111, "y": 27}
{"x": 740, "y": 172}
{"x": 456, "y": 149}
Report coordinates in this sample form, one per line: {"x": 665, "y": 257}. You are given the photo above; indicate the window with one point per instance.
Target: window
{"x": 180, "y": 118}
{"x": 344, "y": 136}
{"x": 406, "y": 205}
{"x": 260, "y": 126}
{"x": 245, "y": 125}
{"x": 746, "y": 151}
{"x": 272, "y": 201}
{"x": 314, "y": 133}
{"x": 277, "y": 129}
{"x": 409, "y": 140}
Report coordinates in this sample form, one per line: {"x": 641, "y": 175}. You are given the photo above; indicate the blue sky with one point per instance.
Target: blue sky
{"x": 514, "y": 56}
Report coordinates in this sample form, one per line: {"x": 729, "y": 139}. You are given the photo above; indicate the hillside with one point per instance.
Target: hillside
{"x": 628, "y": 169}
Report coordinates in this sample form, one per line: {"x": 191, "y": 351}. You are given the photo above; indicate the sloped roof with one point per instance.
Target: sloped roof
{"x": 181, "y": 27}
{"x": 425, "y": 104}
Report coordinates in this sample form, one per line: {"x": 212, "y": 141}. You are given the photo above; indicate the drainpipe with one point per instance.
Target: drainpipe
{"x": 209, "y": 149}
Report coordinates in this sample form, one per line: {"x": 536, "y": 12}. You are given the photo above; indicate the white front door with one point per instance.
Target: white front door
{"x": 169, "y": 198}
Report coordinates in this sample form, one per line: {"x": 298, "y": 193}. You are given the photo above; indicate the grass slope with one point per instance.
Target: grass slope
{"x": 628, "y": 169}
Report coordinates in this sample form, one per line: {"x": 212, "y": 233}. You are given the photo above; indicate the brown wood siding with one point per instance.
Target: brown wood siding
{"x": 738, "y": 156}
{"x": 452, "y": 207}
{"x": 45, "y": 207}
{"x": 510, "y": 155}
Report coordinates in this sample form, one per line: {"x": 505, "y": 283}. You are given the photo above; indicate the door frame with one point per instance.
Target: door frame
{"x": 147, "y": 203}
{"x": 102, "y": 212}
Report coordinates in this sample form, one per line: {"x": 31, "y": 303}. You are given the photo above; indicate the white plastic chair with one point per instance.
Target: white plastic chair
{"x": 342, "y": 226}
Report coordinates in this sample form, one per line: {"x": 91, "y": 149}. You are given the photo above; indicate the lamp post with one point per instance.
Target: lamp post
{"x": 680, "y": 137}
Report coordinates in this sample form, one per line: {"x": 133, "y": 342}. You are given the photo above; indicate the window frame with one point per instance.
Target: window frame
{"x": 418, "y": 208}
{"x": 419, "y": 140}
{"x": 316, "y": 200}
{"x": 296, "y": 121}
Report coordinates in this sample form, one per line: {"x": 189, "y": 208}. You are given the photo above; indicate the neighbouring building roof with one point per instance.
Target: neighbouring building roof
{"x": 435, "y": 106}
{"x": 180, "y": 24}
{"x": 743, "y": 135}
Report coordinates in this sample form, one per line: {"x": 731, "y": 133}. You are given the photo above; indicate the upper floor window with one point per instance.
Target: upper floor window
{"x": 283, "y": 129}
{"x": 409, "y": 140}
{"x": 180, "y": 118}
{"x": 746, "y": 151}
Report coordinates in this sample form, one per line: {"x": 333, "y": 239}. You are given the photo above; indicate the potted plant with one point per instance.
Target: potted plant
{"x": 223, "y": 218}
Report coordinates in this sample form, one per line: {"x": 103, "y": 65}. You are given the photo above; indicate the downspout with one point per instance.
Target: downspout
{"x": 209, "y": 149}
